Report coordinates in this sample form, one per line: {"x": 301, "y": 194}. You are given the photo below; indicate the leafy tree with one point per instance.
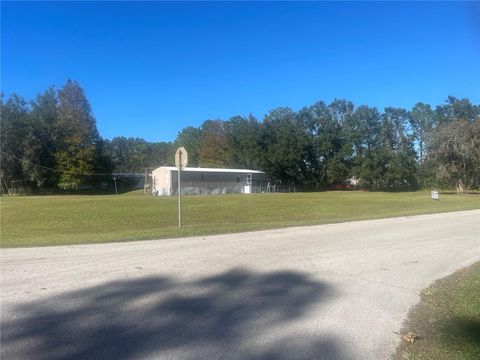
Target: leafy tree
{"x": 384, "y": 152}
{"x": 216, "y": 150}
{"x": 334, "y": 143}
{"x": 328, "y": 149}
{"x": 245, "y": 139}
{"x": 39, "y": 143}
{"x": 136, "y": 154}
{"x": 163, "y": 153}
{"x": 118, "y": 149}
{"x": 456, "y": 109}
{"x": 191, "y": 139}
{"x": 455, "y": 150}
{"x": 285, "y": 146}
{"x": 310, "y": 119}
{"x": 397, "y": 152}
{"x": 78, "y": 142}
{"x": 341, "y": 110}
{"x": 14, "y": 122}
{"x": 453, "y": 147}
{"x": 363, "y": 129}
{"x": 422, "y": 121}
{"x": 340, "y": 166}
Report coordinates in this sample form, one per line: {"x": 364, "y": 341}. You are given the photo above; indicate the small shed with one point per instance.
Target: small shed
{"x": 196, "y": 181}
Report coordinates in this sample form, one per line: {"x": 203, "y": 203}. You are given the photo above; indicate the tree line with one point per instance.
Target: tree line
{"x": 53, "y": 142}
{"x": 325, "y": 144}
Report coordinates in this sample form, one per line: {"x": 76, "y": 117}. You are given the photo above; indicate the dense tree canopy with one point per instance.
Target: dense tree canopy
{"x": 53, "y": 142}
{"x": 14, "y": 127}
{"x": 130, "y": 155}
{"x": 454, "y": 146}
{"x": 191, "y": 139}
{"x": 215, "y": 149}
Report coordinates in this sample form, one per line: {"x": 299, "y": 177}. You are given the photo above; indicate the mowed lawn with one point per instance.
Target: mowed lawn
{"x": 64, "y": 220}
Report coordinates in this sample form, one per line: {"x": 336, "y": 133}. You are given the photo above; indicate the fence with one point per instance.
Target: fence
{"x": 218, "y": 188}
{"x": 268, "y": 188}
{"x": 213, "y": 188}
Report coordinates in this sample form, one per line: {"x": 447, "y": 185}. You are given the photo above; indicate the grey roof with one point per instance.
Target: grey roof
{"x": 192, "y": 169}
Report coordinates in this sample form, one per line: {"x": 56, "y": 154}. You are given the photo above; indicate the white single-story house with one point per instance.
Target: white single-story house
{"x": 206, "y": 181}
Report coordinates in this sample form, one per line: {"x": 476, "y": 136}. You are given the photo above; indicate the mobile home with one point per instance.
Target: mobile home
{"x": 206, "y": 181}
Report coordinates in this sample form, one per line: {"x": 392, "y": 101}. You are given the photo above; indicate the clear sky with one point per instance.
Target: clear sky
{"x": 150, "y": 69}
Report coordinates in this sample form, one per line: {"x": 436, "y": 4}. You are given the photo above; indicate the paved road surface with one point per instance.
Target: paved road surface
{"x": 322, "y": 292}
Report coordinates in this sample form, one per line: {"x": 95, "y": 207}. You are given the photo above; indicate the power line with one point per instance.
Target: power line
{"x": 52, "y": 169}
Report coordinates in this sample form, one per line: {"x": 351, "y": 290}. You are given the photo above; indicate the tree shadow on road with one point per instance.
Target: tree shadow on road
{"x": 237, "y": 314}
{"x": 464, "y": 328}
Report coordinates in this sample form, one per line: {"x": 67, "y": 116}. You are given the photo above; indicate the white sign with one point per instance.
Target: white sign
{"x": 435, "y": 195}
{"x": 181, "y": 158}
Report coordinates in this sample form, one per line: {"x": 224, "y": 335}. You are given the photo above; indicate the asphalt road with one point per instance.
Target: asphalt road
{"x": 321, "y": 292}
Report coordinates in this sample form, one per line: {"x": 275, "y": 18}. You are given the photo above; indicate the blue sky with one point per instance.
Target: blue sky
{"x": 150, "y": 69}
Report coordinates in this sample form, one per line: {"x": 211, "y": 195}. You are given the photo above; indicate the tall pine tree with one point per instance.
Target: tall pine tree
{"x": 79, "y": 146}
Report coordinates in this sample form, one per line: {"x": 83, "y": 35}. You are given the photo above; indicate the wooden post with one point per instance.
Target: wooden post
{"x": 145, "y": 183}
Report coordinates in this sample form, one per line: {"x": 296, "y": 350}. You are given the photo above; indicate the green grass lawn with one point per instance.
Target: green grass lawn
{"x": 447, "y": 319}
{"x": 62, "y": 220}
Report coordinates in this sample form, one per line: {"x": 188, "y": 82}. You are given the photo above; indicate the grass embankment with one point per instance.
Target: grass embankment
{"x": 447, "y": 320}
{"x": 60, "y": 220}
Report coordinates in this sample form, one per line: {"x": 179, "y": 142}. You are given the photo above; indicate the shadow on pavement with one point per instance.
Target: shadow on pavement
{"x": 238, "y": 314}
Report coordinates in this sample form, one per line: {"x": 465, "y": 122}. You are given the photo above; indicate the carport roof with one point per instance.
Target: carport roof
{"x": 192, "y": 169}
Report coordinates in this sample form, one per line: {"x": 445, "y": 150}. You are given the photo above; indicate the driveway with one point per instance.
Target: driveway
{"x": 333, "y": 291}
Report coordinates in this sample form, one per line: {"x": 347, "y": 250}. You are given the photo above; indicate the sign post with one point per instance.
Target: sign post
{"x": 434, "y": 195}
{"x": 181, "y": 161}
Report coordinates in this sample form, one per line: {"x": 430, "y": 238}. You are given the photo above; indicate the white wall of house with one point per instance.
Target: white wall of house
{"x": 162, "y": 181}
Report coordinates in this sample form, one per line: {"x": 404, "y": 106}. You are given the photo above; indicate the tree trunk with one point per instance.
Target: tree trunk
{"x": 460, "y": 187}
